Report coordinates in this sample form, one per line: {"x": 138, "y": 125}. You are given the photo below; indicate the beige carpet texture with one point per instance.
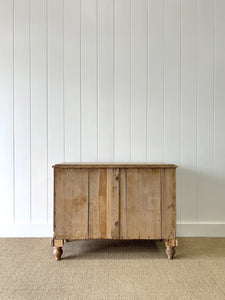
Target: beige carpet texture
{"x": 112, "y": 270}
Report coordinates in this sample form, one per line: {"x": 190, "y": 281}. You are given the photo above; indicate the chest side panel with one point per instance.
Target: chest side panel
{"x": 168, "y": 178}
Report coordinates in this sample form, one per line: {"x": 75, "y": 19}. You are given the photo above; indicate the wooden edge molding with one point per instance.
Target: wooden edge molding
{"x": 115, "y": 165}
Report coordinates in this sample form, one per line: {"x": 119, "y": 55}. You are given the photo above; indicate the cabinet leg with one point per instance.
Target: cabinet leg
{"x": 170, "y": 247}
{"x": 170, "y": 251}
{"x": 57, "y": 248}
{"x": 57, "y": 251}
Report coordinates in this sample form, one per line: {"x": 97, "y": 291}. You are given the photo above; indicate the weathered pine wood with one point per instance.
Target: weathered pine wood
{"x": 123, "y": 203}
{"x": 115, "y": 203}
{"x": 168, "y": 199}
{"x": 143, "y": 204}
{"x": 97, "y": 203}
{"x": 71, "y": 204}
{"x": 115, "y": 165}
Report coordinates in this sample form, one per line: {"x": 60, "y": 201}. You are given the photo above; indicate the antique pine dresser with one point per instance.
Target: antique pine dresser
{"x": 114, "y": 201}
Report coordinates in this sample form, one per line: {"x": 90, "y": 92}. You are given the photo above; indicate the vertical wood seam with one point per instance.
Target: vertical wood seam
{"x": 88, "y": 199}
{"x": 126, "y": 205}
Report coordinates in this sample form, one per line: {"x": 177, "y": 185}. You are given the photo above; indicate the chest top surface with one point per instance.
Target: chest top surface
{"x": 115, "y": 165}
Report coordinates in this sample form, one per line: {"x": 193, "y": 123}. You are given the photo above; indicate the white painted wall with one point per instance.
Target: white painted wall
{"x": 104, "y": 80}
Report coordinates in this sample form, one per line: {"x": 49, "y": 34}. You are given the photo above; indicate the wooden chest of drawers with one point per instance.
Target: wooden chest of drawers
{"x": 114, "y": 201}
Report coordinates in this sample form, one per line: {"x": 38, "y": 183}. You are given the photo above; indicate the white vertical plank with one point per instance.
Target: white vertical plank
{"x": 189, "y": 44}
{"x": 219, "y": 203}
{"x": 122, "y": 81}
{"x": 55, "y": 93}
{"x": 155, "y": 81}
{"x": 172, "y": 89}
{"x": 139, "y": 30}
{"x": 6, "y": 112}
{"x": 72, "y": 79}
{"x": 205, "y": 112}
{"x": 38, "y": 112}
{"x": 105, "y": 77}
{"x": 89, "y": 44}
{"x": 172, "y": 81}
{"x": 22, "y": 110}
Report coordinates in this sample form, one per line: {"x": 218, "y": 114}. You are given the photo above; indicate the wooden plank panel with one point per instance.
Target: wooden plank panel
{"x": 22, "y": 110}
{"x": 55, "y": 92}
{"x": 38, "y": 112}
{"x": 6, "y": 113}
{"x": 72, "y": 79}
{"x": 188, "y": 111}
{"x": 71, "y": 204}
{"x": 123, "y": 203}
{"x": 168, "y": 198}
{"x": 143, "y": 204}
{"x": 89, "y": 80}
{"x": 122, "y": 80}
{"x": 205, "y": 116}
{"x": 172, "y": 106}
{"x": 105, "y": 80}
{"x": 97, "y": 200}
{"x": 113, "y": 203}
{"x": 219, "y": 200}
{"x": 139, "y": 26}
{"x": 155, "y": 112}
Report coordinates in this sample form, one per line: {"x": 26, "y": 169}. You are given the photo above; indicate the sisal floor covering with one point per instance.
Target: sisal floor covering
{"x": 112, "y": 270}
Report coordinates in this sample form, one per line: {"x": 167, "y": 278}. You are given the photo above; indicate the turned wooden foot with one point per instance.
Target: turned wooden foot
{"x": 57, "y": 248}
{"x": 170, "y": 247}
{"x": 57, "y": 251}
{"x": 170, "y": 251}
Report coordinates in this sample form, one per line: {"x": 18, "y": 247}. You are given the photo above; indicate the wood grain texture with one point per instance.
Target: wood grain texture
{"x": 97, "y": 200}
{"x": 113, "y": 203}
{"x": 123, "y": 203}
{"x": 143, "y": 204}
{"x": 168, "y": 196}
{"x": 71, "y": 204}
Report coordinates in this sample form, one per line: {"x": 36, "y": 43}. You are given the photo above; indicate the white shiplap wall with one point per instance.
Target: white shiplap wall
{"x": 112, "y": 80}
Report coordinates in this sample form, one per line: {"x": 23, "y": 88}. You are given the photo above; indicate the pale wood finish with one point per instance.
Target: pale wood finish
{"x": 115, "y": 165}
{"x": 143, "y": 204}
{"x": 71, "y": 204}
{"x": 168, "y": 200}
{"x": 97, "y": 203}
{"x": 102, "y": 202}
